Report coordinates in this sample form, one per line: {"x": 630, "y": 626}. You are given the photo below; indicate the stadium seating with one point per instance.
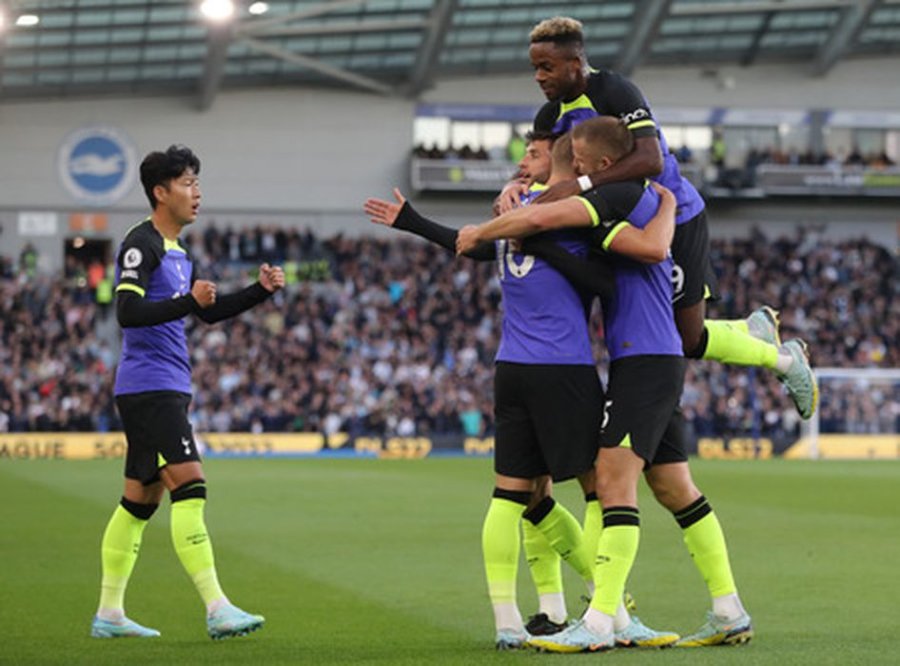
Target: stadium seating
{"x": 396, "y": 337}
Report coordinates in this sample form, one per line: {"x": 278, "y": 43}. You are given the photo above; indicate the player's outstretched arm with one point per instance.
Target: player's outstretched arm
{"x": 401, "y": 215}
{"x": 384, "y": 212}
{"x": 651, "y": 244}
{"x": 525, "y": 221}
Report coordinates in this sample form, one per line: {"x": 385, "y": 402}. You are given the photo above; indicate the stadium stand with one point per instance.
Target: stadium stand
{"x": 396, "y": 337}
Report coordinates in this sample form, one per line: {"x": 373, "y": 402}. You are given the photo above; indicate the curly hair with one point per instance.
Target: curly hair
{"x": 559, "y": 30}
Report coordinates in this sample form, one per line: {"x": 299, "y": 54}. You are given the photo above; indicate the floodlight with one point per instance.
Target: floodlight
{"x": 27, "y": 20}
{"x": 217, "y": 10}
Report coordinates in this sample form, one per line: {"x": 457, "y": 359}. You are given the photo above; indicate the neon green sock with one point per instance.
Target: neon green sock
{"x": 616, "y": 552}
{"x": 564, "y": 534}
{"x": 727, "y": 343}
{"x": 500, "y": 548}
{"x": 739, "y": 324}
{"x": 543, "y": 561}
{"x": 193, "y": 547}
{"x": 705, "y": 542}
{"x": 118, "y": 553}
{"x": 592, "y": 526}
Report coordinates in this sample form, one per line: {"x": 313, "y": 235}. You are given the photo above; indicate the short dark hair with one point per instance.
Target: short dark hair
{"x": 540, "y": 135}
{"x": 159, "y": 168}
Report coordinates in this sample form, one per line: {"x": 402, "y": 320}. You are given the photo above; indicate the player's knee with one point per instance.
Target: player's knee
{"x": 138, "y": 510}
{"x": 693, "y": 343}
{"x": 194, "y": 489}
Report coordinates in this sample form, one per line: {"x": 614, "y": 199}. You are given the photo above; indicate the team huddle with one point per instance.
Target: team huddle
{"x": 599, "y": 210}
{"x": 584, "y": 220}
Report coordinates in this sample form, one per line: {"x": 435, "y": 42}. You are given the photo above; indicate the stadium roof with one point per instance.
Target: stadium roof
{"x": 400, "y": 47}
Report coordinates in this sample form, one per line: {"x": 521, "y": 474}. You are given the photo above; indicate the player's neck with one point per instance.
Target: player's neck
{"x": 559, "y": 177}
{"x": 164, "y": 224}
{"x": 579, "y": 88}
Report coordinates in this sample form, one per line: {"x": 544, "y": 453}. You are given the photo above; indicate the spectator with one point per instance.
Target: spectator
{"x": 396, "y": 336}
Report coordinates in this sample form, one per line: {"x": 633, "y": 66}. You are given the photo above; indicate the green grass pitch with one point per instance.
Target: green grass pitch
{"x": 378, "y": 562}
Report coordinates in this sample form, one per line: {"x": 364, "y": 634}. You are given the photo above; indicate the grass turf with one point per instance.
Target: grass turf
{"x": 365, "y": 562}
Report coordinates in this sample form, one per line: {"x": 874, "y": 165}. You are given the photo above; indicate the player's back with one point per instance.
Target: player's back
{"x": 638, "y": 316}
{"x": 545, "y": 318}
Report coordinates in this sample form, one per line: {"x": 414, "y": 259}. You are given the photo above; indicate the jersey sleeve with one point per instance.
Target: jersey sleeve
{"x": 606, "y": 223}
{"x": 135, "y": 264}
{"x": 546, "y": 117}
{"x": 623, "y": 99}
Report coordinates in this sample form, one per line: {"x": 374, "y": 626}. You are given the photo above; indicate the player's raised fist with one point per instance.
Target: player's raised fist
{"x": 204, "y": 292}
{"x": 271, "y": 277}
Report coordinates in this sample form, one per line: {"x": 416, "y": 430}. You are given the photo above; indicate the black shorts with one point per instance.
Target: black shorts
{"x": 547, "y": 417}
{"x": 693, "y": 278}
{"x": 642, "y": 408}
{"x": 157, "y": 431}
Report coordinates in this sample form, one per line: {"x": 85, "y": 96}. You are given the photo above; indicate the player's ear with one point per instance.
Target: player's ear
{"x": 160, "y": 191}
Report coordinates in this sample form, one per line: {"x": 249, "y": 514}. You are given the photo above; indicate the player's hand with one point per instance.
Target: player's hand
{"x": 384, "y": 212}
{"x": 666, "y": 198}
{"x": 562, "y": 190}
{"x": 204, "y": 292}
{"x": 510, "y": 196}
{"x": 271, "y": 277}
{"x": 466, "y": 239}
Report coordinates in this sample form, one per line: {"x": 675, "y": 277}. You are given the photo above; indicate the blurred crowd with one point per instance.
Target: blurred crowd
{"x": 397, "y": 337}
{"x": 791, "y": 157}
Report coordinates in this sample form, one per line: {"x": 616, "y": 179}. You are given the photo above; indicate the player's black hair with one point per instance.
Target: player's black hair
{"x": 159, "y": 168}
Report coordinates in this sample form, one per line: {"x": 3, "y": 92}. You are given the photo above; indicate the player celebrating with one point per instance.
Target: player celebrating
{"x": 642, "y": 429}
{"x": 576, "y": 92}
{"x": 156, "y": 288}
{"x": 546, "y": 388}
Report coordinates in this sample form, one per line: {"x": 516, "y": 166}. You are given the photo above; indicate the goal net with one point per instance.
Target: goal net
{"x": 857, "y": 418}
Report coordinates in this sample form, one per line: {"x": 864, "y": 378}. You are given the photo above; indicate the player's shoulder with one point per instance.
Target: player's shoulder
{"x": 142, "y": 234}
{"x": 142, "y": 244}
{"x": 605, "y": 79}
{"x": 546, "y": 116}
{"x": 625, "y": 192}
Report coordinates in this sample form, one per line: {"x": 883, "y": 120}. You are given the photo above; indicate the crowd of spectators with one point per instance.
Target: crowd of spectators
{"x": 464, "y": 152}
{"x": 793, "y": 157}
{"x": 397, "y": 337}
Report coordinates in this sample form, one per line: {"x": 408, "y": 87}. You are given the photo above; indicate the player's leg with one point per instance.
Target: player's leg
{"x": 565, "y": 406}
{"x": 642, "y": 393}
{"x": 617, "y": 473}
{"x": 500, "y": 549}
{"x": 728, "y": 623}
{"x": 182, "y": 474}
{"x": 592, "y": 523}
{"x": 546, "y": 573}
{"x": 516, "y": 466}
{"x": 752, "y": 342}
{"x": 122, "y": 537}
{"x": 119, "y": 552}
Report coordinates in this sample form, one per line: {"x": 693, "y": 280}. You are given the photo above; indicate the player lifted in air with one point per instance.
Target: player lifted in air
{"x": 577, "y": 92}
